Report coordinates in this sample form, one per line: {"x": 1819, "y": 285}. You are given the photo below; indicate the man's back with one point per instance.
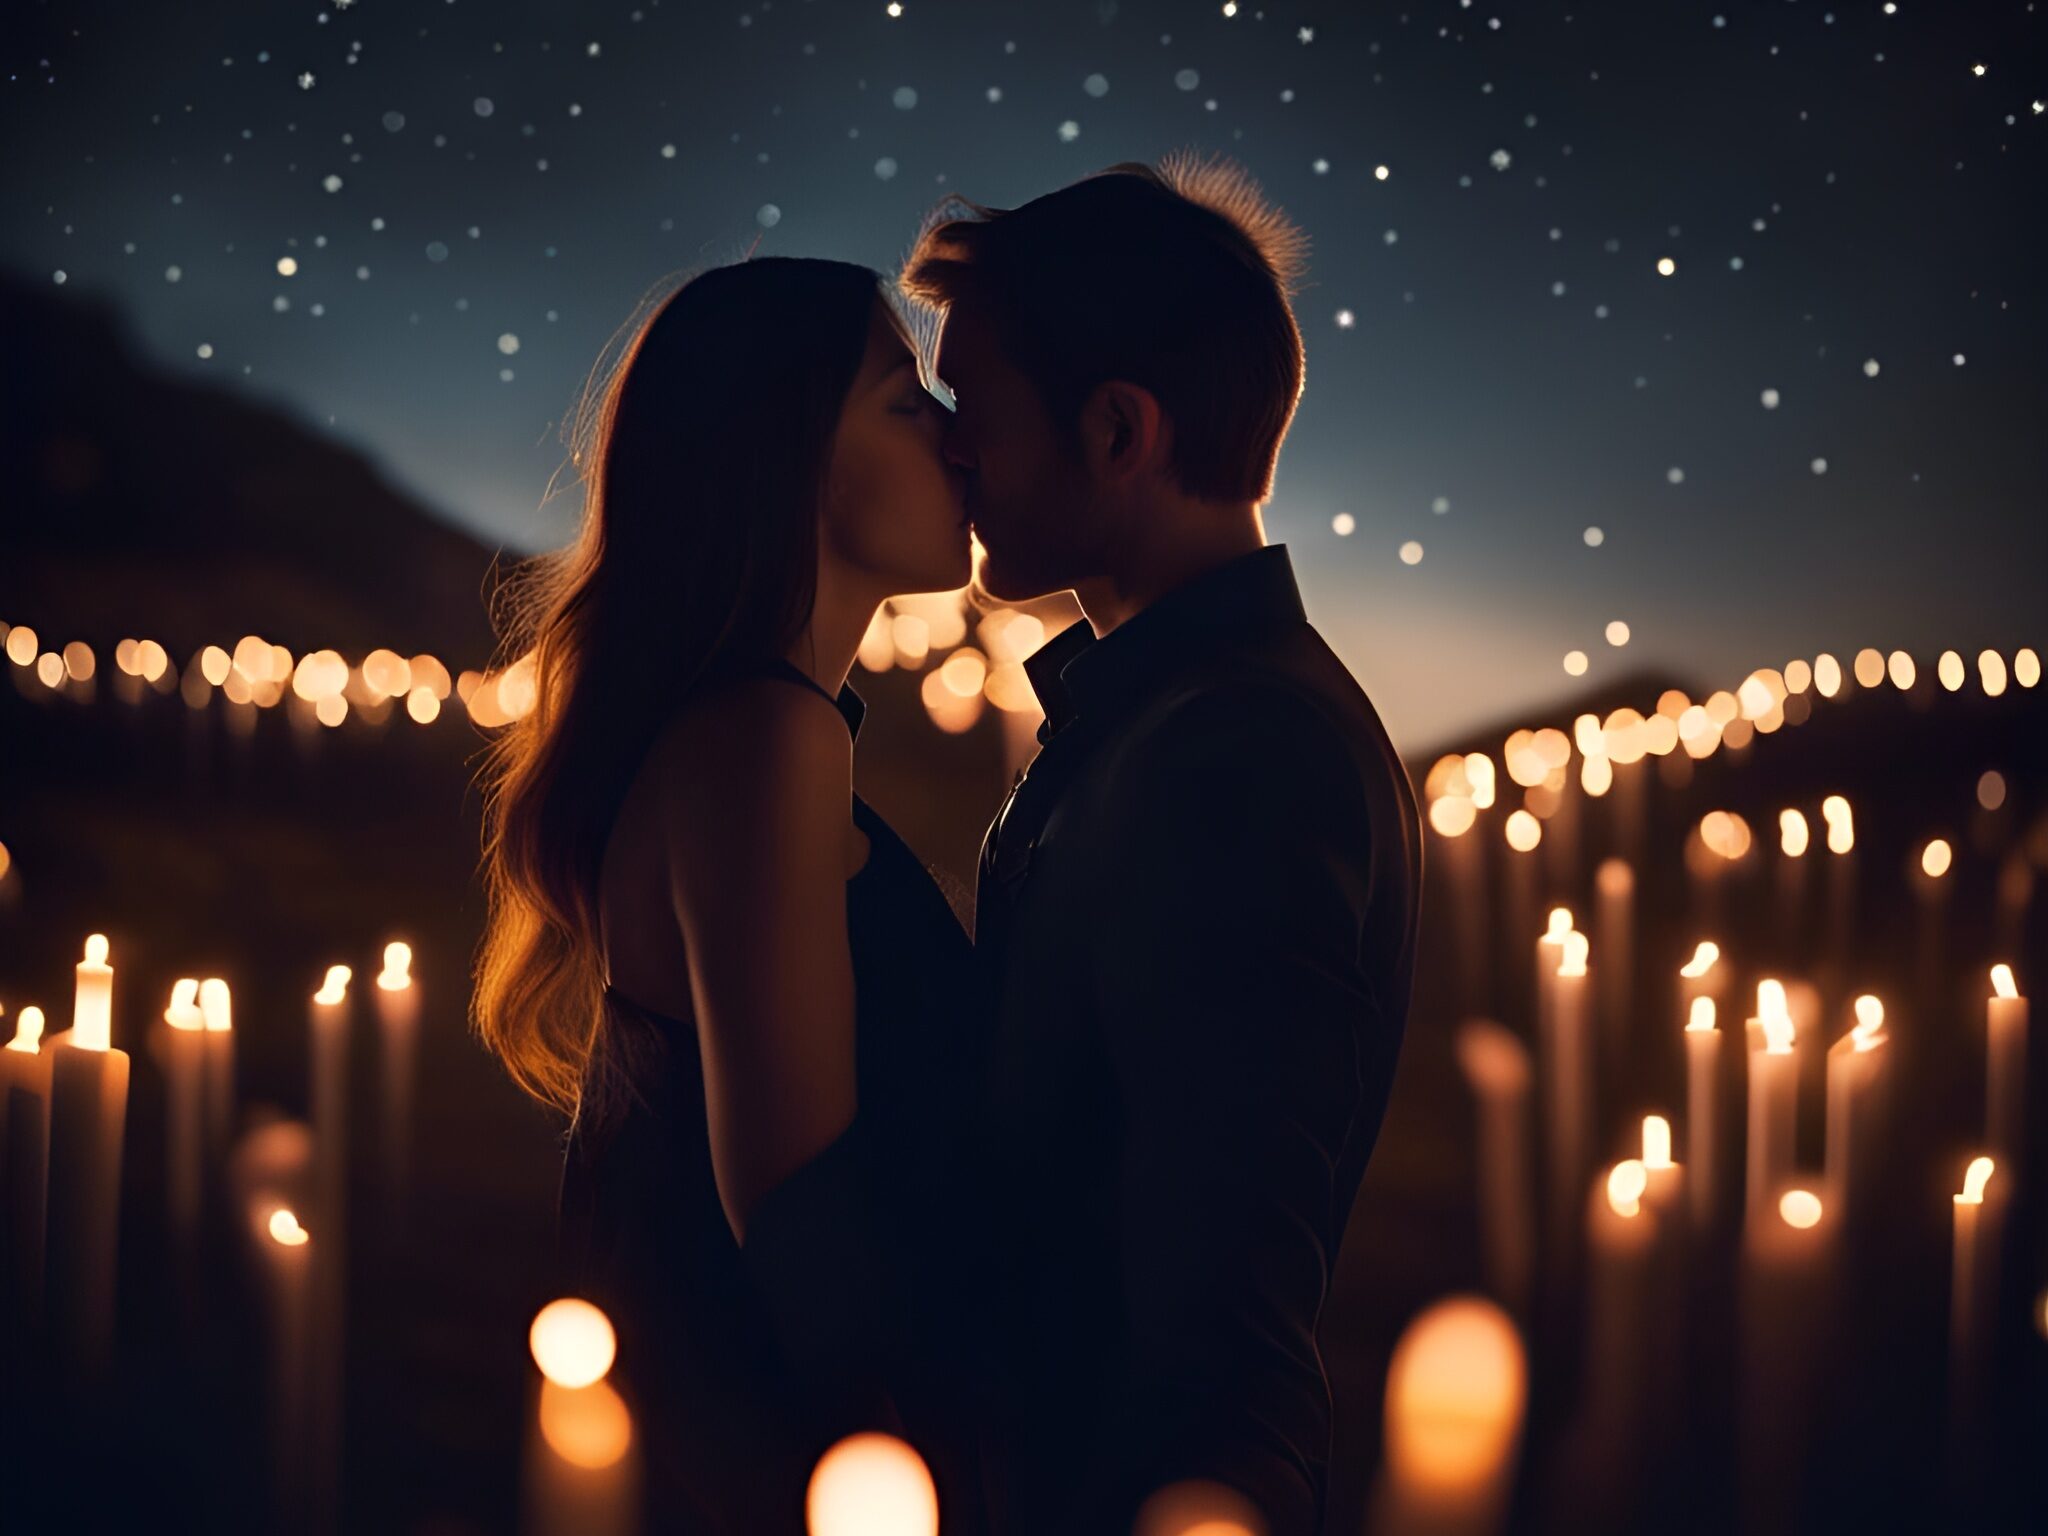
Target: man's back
{"x": 1199, "y": 908}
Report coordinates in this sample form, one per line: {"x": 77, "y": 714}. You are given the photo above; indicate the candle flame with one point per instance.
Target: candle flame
{"x": 1702, "y": 960}
{"x": 1975, "y": 1177}
{"x": 1626, "y": 1182}
{"x": 1577, "y": 947}
{"x": 1792, "y": 834}
{"x": 1778, "y": 1034}
{"x": 2002, "y": 981}
{"x": 1799, "y": 1208}
{"x": 216, "y": 1004}
{"x": 572, "y": 1342}
{"x": 1560, "y": 923}
{"x": 875, "y": 1482}
{"x": 1770, "y": 999}
{"x": 183, "y": 1013}
{"x": 396, "y": 975}
{"x": 1935, "y": 858}
{"x": 1701, "y": 1021}
{"x": 285, "y": 1228}
{"x": 1656, "y": 1142}
{"x": 1869, "y": 1031}
{"x": 96, "y": 949}
{"x": 28, "y": 1031}
{"x": 335, "y": 987}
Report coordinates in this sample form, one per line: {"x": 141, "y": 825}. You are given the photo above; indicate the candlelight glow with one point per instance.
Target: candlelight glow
{"x": 1799, "y": 1208}
{"x": 1523, "y": 831}
{"x": 1702, "y": 960}
{"x": 28, "y": 1031}
{"x": 1457, "y": 1385}
{"x": 1774, "y": 1017}
{"x": 1452, "y": 815}
{"x": 396, "y": 975}
{"x": 1935, "y": 858}
{"x": 1577, "y": 947}
{"x": 1868, "y": 1032}
{"x": 285, "y": 1228}
{"x": 1975, "y": 1177}
{"x": 1701, "y": 1019}
{"x": 183, "y": 1012}
{"x": 1626, "y": 1182}
{"x": 2002, "y": 982}
{"x": 334, "y": 988}
{"x": 1991, "y": 669}
{"x": 588, "y": 1427}
{"x": 215, "y": 1004}
{"x": 1656, "y": 1141}
{"x": 1841, "y": 824}
{"x": 1827, "y": 675}
{"x": 572, "y": 1342}
{"x": 871, "y": 1485}
{"x": 1792, "y": 834}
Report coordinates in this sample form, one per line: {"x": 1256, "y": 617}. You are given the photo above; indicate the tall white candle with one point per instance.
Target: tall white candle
{"x": 1855, "y": 1064}
{"x": 1702, "y": 1107}
{"x": 1549, "y": 954}
{"x": 398, "y": 1003}
{"x": 184, "y": 1063}
{"x": 1566, "y": 1062}
{"x": 1614, "y": 885}
{"x": 2005, "y": 1065}
{"x": 216, "y": 1007}
{"x": 1972, "y": 1292}
{"x": 1701, "y": 976}
{"x": 24, "y": 1177}
{"x": 1496, "y": 1065}
{"x": 328, "y": 1029}
{"x": 1787, "y": 1307}
{"x": 1773, "y": 1104}
{"x": 287, "y": 1258}
{"x": 88, "y": 1119}
{"x": 1621, "y": 1235}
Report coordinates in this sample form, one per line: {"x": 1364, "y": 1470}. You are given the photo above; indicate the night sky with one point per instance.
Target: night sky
{"x": 1826, "y": 428}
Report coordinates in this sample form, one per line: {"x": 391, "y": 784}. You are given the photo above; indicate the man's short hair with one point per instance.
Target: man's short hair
{"x": 1176, "y": 277}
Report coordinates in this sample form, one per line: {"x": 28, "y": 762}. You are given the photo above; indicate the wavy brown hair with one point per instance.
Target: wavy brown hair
{"x": 703, "y": 451}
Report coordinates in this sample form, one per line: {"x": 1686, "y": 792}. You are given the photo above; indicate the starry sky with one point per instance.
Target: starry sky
{"x": 1820, "y": 425}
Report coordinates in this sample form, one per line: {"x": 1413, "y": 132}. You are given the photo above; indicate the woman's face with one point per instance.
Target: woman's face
{"x": 894, "y": 509}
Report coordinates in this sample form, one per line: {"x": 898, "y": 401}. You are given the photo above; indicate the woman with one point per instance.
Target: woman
{"x": 745, "y": 990}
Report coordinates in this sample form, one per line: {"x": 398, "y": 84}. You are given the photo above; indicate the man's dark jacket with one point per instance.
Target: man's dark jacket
{"x": 1197, "y": 909}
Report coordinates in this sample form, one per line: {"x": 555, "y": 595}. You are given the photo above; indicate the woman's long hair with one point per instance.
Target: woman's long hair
{"x": 703, "y": 457}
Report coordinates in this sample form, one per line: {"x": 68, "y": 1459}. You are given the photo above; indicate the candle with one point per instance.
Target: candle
{"x": 88, "y": 1118}
{"x": 1855, "y": 1066}
{"x": 2005, "y": 1065}
{"x": 1457, "y": 1390}
{"x": 1773, "y": 1102}
{"x": 183, "y": 1053}
{"x": 1794, "y": 837}
{"x": 328, "y": 1029}
{"x": 1931, "y": 883}
{"x": 582, "y": 1474}
{"x": 1496, "y": 1064}
{"x": 1841, "y": 878}
{"x": 24, "y": 1188}
{"x": 1614, "y": 925}
{"x": 1973, "y": 1289}
{"x": 1786, "y": 1308}
{"x": 874, "y": 1485}
{"x": 1701, "y": 976}
{"x": 1621, "y": 1236}
{"x": 397, "y": 1028}
{"x": 1549, "y": 952}
{"x": 1565, "y": 1057}
{"x": 1661, "y": 1175}
{"x": 1702, "y": 1106}
{"x": 287, "y": 1259}
{"x": 216, "y": 1007}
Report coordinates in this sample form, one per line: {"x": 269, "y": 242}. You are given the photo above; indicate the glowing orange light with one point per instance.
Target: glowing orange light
{"x": 285, "y": 1229}
{"x": 1935, "y": 858}
{"x": 1799, "y": 1208}
{"x": 1577, "y": 947}
{"x": 1702, "y": 961}
{"x": 1792, "y": 834}
{"x": 572, "y": 1342}
{"x": 1523, "y": 831}
{"x": 1868, "y": 1033}
{"x": 1457, "y": 1385}
{"x": 1975, "y": 1177}
{"x": 333, "y": 986}
{"x": 1700, "y": 1018}
{"x": 28, "y": 1031}
{"x": 871, "y": 1485}
{"x": 215, "y": 1004}
{"x": 396, "y": 975}
{"x": 2002, "y": 982}
{"x": 588, "y": 1427}
{"x": 1656, "y": 1141}
{"x": 1626, "y": 1182}
{"x": 183, "y": 1012}
{"x": 1452, "y": 815}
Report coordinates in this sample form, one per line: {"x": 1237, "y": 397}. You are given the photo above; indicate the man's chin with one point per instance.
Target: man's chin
{"x": 1004, "y": 584}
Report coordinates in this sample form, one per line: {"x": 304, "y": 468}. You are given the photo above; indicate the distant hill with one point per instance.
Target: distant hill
{"x": 133, "y": 502}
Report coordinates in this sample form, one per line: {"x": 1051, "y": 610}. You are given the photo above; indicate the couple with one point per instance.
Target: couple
{"x": 1058, "y": 1206}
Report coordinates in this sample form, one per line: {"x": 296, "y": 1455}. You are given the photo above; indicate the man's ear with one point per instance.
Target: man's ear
{"x": 1123, "y": 430}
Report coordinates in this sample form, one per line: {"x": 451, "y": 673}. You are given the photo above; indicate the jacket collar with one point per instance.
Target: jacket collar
{"x": 1075, "y": 673}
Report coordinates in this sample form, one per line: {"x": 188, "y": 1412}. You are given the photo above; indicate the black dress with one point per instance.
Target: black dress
{"x": 850, "y": 1306}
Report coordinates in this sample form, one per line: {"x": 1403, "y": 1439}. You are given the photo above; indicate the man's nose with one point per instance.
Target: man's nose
{"x": 957, "y": 450}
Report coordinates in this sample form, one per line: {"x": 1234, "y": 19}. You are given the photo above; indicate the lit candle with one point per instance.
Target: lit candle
{"x": 1841, "y": 877}
{"x": 582, "y": 1474}
{"x": 1973, "y": 1292}
{"x": 1496, "y": 1064}
{"x": 1773, "y": 1103}
{"x": 1621, "y": 1237}
{"x": 1794, "y": 837}
{"x": 1786, "y": 1309}
{"x": 1855, "y": 1067}
{"x": 1457, "y": 1390}
{"x": 216, "y": 1007}
{"x": 1701, "y": 976}
{"x": 1662, "y": 1176}
{"x": 184, "y": 1046}
{"x": 328, "y": 1029}
{"x": 1702, "y": 1106}
{"x": 88, "y": 1118}
{"x": 287, "y": 1259}
{"x": 1549, "y": 952}
{"x": 2005, "y": 1064}
{"x": 397, "y": 1028}
{"x": 24, "y": 1189}
{"x": 1564, "y": 1055}
{"x": 1614, "y": 883}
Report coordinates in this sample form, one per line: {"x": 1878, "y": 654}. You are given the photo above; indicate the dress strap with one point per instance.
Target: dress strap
{"x": 851, "y": 706}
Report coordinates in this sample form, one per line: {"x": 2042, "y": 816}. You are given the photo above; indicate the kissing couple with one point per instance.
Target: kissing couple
{"x": 1056, "y": 1200}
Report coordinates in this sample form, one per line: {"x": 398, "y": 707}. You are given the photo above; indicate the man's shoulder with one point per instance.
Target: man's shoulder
{"x": 1289, "y": 696}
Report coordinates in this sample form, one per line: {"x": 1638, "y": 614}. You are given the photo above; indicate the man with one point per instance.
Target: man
{"x": 1198, "y": 905}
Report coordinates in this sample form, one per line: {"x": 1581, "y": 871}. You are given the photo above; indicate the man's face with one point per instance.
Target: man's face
{"x": 1026, "y": 488}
